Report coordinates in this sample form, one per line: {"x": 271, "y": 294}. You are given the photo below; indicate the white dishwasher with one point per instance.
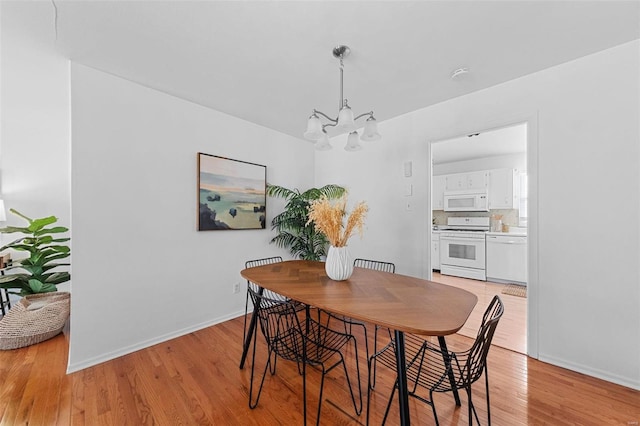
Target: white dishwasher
{"x": 506, "y": 258}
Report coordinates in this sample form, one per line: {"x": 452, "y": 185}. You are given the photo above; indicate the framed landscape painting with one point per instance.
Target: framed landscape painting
{"x": 231, "y": 194}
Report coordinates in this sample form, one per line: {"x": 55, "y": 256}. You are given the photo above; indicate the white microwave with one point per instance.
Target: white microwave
{"x": 466, "y": 201}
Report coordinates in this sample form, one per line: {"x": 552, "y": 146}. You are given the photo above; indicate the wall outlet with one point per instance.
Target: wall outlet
{"x": 236, "y": 288}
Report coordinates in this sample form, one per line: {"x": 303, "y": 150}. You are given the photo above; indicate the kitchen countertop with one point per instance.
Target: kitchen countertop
{"x": 517, "y": 233}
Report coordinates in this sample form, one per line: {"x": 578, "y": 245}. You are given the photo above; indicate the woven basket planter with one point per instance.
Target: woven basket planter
{"x": 23, "y": 327}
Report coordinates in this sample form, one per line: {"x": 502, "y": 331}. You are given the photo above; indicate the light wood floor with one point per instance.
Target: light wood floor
{"x": 512, "y": 329}
{"x": 195, "y": 379}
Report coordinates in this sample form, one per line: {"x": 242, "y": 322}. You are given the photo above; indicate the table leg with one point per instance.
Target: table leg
{"x": 403, "y": 393}
{"x": 252, "y": 329}
{"x": 447, "y": 363}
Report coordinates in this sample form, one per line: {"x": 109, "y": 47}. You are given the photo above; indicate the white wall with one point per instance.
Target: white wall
{"x": 585, "y": 292}
{"x": 142, "y": 273}
{"x": 34, "y": 117}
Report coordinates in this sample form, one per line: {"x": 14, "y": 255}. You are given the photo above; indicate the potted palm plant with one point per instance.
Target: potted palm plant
{"x": 294, "y": 231}
{"x": 43, "y": 311}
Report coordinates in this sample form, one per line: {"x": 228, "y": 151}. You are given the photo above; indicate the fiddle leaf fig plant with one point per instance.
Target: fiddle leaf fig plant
{"x": 44, "y": 253}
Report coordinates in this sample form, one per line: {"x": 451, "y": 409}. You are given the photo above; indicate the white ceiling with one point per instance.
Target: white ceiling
{"x": 507, "y": 140}
{"x": 270, "y": 62}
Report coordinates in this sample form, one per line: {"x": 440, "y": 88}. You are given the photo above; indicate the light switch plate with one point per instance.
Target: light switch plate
{"x": 407, "y": 168}
{"x": 408, "y": 190}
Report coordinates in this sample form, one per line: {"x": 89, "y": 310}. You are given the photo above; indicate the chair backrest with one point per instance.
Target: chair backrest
{"x": 375, "y": 265}
{"x": 477, "y": 358}
{"x": 261, "y": 262}
{"x": 264, "y": 261}
{"x": 277, "y": 318}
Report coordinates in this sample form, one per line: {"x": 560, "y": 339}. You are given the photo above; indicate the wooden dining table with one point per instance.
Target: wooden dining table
{"x": 402, "y": 303}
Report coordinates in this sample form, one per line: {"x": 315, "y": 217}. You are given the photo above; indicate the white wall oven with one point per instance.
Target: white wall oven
{"x": 462, "y": 247}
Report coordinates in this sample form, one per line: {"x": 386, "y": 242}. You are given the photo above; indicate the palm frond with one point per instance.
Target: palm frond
{"x": 303, "y": 240}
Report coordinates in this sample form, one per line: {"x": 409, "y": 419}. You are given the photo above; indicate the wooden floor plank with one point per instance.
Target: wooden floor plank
{"x": 195, "y": 380}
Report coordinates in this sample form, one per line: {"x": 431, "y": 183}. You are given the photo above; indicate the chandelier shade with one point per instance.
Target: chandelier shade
{"x": 352, "y": 142}
{"x": 323, "y": 143}
{"x": 346, "y": 119}
{"x": 314, "y": 128}
{"x": 370, "y": 132}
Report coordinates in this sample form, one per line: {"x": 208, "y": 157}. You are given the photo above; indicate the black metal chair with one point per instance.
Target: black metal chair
{"x": 266, "y": 292}
{"x": 376, "y": 265}
{"x": 311, "y": 344}
{"x": 251, "y": 264}
{"x": 429, "y": 368}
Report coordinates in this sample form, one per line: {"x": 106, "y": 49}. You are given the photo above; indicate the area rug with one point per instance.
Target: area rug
{"x": 515, "y": 290}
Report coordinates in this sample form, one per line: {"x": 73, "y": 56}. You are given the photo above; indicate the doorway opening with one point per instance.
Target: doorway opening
{"x": 493, "y": 164}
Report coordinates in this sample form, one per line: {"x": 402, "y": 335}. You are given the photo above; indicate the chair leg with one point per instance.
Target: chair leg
{"x": 468, "y": 389}
{"x": 386, "y": 412}
{"x": 369, "y": 387}
{"x": 433, "y": 408}
{"x": 253, "y": 404}
{"x": 358, "y": 409}
{"x": 304, "y": 388}
{"x": 246, "y": 310}
{"x": 372, "y": 383}
{"x": 486, "y": 380}
{"x": 472, "y": 408}
{"x": 319, "y": 397}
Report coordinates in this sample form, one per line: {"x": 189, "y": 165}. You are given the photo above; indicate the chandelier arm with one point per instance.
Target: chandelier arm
{"x": 370, "y": 114}
{"x": 341, "y": 104}
{"x": 333, "y": 120}
{"x": 329, "y": 125}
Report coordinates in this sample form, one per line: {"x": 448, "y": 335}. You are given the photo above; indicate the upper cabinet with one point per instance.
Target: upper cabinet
{"x": 501, "y": 184}
{"x": 503, "y": 189}
{"x": 462, "y": 181}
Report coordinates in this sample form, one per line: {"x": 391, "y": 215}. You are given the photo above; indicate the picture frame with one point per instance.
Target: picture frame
{"x": 232, "y": 194}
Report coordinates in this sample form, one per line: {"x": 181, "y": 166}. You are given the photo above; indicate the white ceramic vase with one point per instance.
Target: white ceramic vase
{"x": 339, "y": 265}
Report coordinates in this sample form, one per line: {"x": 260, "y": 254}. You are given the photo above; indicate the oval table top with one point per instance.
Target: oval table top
{"x": 399, "y": 302}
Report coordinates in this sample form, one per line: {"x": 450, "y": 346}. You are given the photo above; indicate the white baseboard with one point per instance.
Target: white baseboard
{"x": 72, "y": 368}
{"x": 593, "y": 372}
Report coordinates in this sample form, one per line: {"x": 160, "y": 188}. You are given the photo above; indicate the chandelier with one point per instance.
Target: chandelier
{"x": 346, "y": 120}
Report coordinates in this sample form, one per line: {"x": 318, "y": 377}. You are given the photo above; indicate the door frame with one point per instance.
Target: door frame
{"x": 531, "y": 119}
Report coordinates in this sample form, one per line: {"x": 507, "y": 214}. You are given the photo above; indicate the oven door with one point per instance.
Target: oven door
{"x": 462, "y": 251}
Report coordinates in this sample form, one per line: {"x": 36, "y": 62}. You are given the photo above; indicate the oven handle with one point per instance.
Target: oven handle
{"x": 471, "y": 240}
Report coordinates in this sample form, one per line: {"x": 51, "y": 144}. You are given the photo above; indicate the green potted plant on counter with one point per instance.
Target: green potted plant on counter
{"x": 43, "y": 311}
{"x": 294, "y": 232}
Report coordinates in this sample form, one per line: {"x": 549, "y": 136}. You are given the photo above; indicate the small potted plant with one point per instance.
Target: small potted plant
{"x": 338, "y": 226}
{"x": 43, "y": 311}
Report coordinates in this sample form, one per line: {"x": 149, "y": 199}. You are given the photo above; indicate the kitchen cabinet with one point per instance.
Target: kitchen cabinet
{"x": 435, "y": 251}
{"x": 503, "y": 189}
{"x": 506, "y": 258}
{"x": 437, "y": 193}
{"x": 465, "y": 181}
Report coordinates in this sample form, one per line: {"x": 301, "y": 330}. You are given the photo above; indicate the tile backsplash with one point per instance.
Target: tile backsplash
{"x": 509, "y": 216}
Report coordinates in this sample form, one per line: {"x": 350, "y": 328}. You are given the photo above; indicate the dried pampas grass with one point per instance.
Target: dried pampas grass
{"x": 328, "y": 219}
